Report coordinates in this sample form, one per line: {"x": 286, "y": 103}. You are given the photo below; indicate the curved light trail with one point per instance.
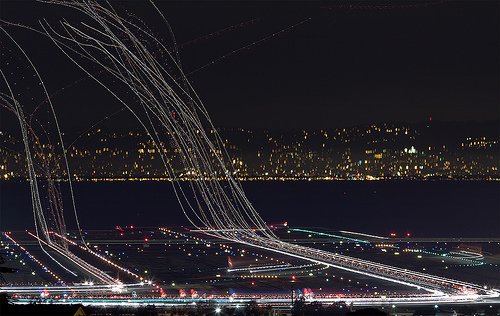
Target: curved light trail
{"x": 161, "y": 98}
{"x": 158, "y": 94}
{"x": 42, "y": 162}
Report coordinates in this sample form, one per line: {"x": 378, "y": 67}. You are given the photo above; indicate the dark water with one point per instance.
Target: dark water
{"x": 440, "y": 208}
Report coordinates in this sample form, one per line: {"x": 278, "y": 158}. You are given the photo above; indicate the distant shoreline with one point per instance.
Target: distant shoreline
{"x": 274, "y": 179}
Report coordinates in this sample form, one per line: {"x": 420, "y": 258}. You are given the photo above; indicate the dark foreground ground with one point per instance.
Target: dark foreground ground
{"x": 300, "y": 309}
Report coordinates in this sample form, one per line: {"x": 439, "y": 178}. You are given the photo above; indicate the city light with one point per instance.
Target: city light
{"x": 226, "y": 255}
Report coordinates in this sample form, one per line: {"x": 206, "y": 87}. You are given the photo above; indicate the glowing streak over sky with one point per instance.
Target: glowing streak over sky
{"x": 42, "y": 162}
{"x": 146, "y": 77}
{"x": 157, "y": 93}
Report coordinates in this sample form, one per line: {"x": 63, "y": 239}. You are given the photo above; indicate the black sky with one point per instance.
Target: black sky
{"x": 350, "y": 63}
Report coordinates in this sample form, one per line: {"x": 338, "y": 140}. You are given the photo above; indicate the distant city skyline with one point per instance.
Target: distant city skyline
{"x": 436, "y": 150}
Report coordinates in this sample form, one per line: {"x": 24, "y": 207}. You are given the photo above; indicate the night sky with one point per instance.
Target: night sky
{"x": 341, "y": 63}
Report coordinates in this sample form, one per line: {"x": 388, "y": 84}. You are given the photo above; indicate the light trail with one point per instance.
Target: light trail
{"x": 231, "y": 53}
{"x": 433, "y": 284}
{"x": 329, "y": 235}
{"x": 30, "y": 139}
{"x": 273, "y": 300}
{"x": 103, "y": 258}
{"x": 79, "y": 263}
{"x": 44, "y": 268}
{"x": 218, "y": 32}
{"x": 361, "y": 234}
{"x": 87, "y": 288}
{"x": 223, "y": 230}
{"x": 217, "y": 205}
{"x": 277, "y": 266}
{"x": 48, "y": 215}
{"x": 468, "y": 255}
{"x": 168, "y": 108}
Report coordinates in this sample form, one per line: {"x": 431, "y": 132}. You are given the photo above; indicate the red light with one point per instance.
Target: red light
{"x": 293, "y": 277}
{"x": 145, "y": 239}
{"x": 393, "y": 234}
{"x": 121, "y": 234}
{"x": 131, "y": 226}
{"x": 253, "y": 283}
{"x": 408, "y": 234}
